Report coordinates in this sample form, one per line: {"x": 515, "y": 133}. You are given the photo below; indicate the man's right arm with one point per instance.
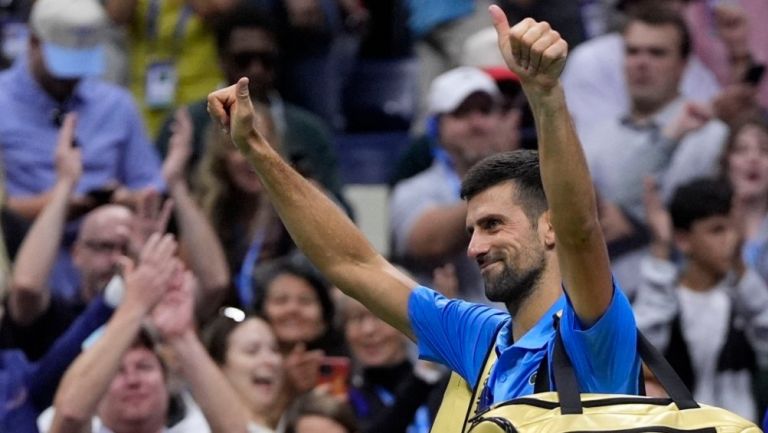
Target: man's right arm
{"x": 29, "y": 296}
{"x": 317, "y": 225}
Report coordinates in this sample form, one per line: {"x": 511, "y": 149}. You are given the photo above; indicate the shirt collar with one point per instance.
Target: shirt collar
{"x": 661, "y": 118}
{"x": 536, "y": 337}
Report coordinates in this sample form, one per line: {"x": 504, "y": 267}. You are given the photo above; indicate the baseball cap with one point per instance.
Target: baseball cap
{"x": 481, "y": 50}
{"x": 451, "y": 88}
{"x": 72, "y": 34}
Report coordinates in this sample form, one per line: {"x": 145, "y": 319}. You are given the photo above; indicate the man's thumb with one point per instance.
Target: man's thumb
{"x": 242, "y": 89}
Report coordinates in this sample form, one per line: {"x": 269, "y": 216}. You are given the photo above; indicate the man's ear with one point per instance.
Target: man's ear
{"x": 546, "y": 232}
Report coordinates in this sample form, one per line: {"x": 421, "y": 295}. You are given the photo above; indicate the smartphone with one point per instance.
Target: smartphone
{"x": 334, "y": 372}
{"x": 754, "y": 74}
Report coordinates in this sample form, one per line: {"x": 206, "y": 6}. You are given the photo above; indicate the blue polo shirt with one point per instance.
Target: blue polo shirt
{"x": 458, "y": 334}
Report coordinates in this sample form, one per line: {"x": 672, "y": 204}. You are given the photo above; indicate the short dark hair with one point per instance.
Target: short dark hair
{"x": 241, "y": 17}
{"x": 519, "y": 166}
{"x": 699, "y": 199}
{"x": 659, "y": 14}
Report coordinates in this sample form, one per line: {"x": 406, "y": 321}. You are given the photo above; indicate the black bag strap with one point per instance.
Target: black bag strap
{"x": 568, "y": 388}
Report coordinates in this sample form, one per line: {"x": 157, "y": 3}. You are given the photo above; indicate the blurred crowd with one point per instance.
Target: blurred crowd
{"x": 148, "y": 284}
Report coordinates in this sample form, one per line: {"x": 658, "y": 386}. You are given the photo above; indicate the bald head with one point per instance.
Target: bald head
{"x": 103, "y": 238}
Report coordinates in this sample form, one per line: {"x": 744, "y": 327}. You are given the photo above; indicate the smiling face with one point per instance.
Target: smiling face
{"x": 137, "y": 396}
{"x": 747, "y": 163}
{"x": 252, "y": 364}
{"x": 293, "y": 309}
{"x": 373, "y": 342}
{"x": 508, "y": 248}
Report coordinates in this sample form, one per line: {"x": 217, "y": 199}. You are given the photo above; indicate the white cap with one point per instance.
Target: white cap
{"x": 72, "y": 33}
{"x": 481, "y": 50}
{"x": 451, "y": 88}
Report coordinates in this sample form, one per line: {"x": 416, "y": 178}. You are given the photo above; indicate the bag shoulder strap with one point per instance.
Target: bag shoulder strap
{"x": 460, "y": 401}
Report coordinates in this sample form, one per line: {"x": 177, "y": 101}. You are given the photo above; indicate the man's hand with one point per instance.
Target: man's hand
{"x": 173, "y": 315}
{"x": 179, "y": 148}
{"x": 68, "y": 160}
{"x": 146, "y": 283}
{"x": 232, "y": 109}
{"x": 531, "y": 49}
{"x": 152, "y": 214}
{"x": 658, "y": 220}
{"x": 692, "y": 117}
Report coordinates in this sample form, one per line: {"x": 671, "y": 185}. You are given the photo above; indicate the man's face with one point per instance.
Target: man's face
{"x": 138, "y": 394}
{"x": 103, "y": 239}
{"x": 653, "y": 64}
{"x": 509, "y": 250}
{"x": 474, "y": 130}
{"x": 252, "y": 53}
{"x": 710, "y": 244}
{"x": 373, "y": 342}
{"x": 59, "y": 88}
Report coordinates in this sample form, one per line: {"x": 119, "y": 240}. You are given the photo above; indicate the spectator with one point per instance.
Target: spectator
{"x": 595, "y": 80}
{"x": 233, "y": 200}
{"x": 123, "y": 380}
{"x": 426, "y": 213}
{"x": 246, "y": 351}
{"x": 170, "y": 43}
{"x": 438, "y": 29}
{"x": 55, "y": 76}
{"x": 318, "y": 413}
{"x": 247, "y": 46}
{"x": 710, "y": 317}
{"x": 662, "y": 134}
{"x": 27, "y": 387}
{"x": 389, "y": 393}
{"x": 745, "y": 168}
{"x": 296, "y": 302}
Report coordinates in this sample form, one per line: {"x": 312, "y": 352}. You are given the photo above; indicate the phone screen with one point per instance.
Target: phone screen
{"x": 334, "y": 372}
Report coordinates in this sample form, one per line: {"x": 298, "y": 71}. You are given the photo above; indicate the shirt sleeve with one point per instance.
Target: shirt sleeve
{"x": 604, "y": 356}
{"x": 453, "y": 332}
{"x": 47, "y": 372}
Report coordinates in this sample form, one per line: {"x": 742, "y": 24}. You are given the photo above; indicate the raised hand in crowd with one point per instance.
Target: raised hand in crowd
{"x": 658, "y": 220}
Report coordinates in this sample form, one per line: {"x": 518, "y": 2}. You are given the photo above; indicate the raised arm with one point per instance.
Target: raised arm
{"x": 201, "y": 248}
{"x": 173, "y": 318}
{"x": 29, "y": 294}
{"x": 536, "y": 53}
{"x": 88, "y": 379}
{"x": 317, "y": 225}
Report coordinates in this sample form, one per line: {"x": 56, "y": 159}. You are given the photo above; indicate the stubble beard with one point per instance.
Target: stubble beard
{"x": 513, "y": 286}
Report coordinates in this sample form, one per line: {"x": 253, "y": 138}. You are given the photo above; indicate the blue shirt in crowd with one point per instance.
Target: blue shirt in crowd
{"x": 26, "y": 388}
{"x": 110, "y": 133}
{"x": 458, "y": 334}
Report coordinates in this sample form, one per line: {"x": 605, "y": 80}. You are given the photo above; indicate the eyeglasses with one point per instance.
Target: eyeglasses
{"x": 242, "y": 60}
{"x": 103, "y": 247}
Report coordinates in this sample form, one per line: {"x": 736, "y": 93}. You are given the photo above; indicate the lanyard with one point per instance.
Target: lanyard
{"x": 442, "y": 157}
{"x": 153, "y": 18}
{"x": 421, "y": 422}
{"x": 244, "y": 280}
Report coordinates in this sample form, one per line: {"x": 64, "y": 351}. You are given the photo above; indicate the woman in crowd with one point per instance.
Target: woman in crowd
{"x": 231, "y": 196}
{"x": 745, "y": 167}
{"x": 388, "y": 393}
{"x": 246, "y": 350}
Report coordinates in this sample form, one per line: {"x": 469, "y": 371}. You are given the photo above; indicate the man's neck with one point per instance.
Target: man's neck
{"x": 642, "y": 113}
{"x": 533, "y": 308}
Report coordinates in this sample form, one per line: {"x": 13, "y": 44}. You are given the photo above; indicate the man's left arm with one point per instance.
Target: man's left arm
{"x": 537, "y": 54}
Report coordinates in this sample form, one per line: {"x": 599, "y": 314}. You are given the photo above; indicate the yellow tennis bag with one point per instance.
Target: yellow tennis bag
{"x": 568, "y": 411}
